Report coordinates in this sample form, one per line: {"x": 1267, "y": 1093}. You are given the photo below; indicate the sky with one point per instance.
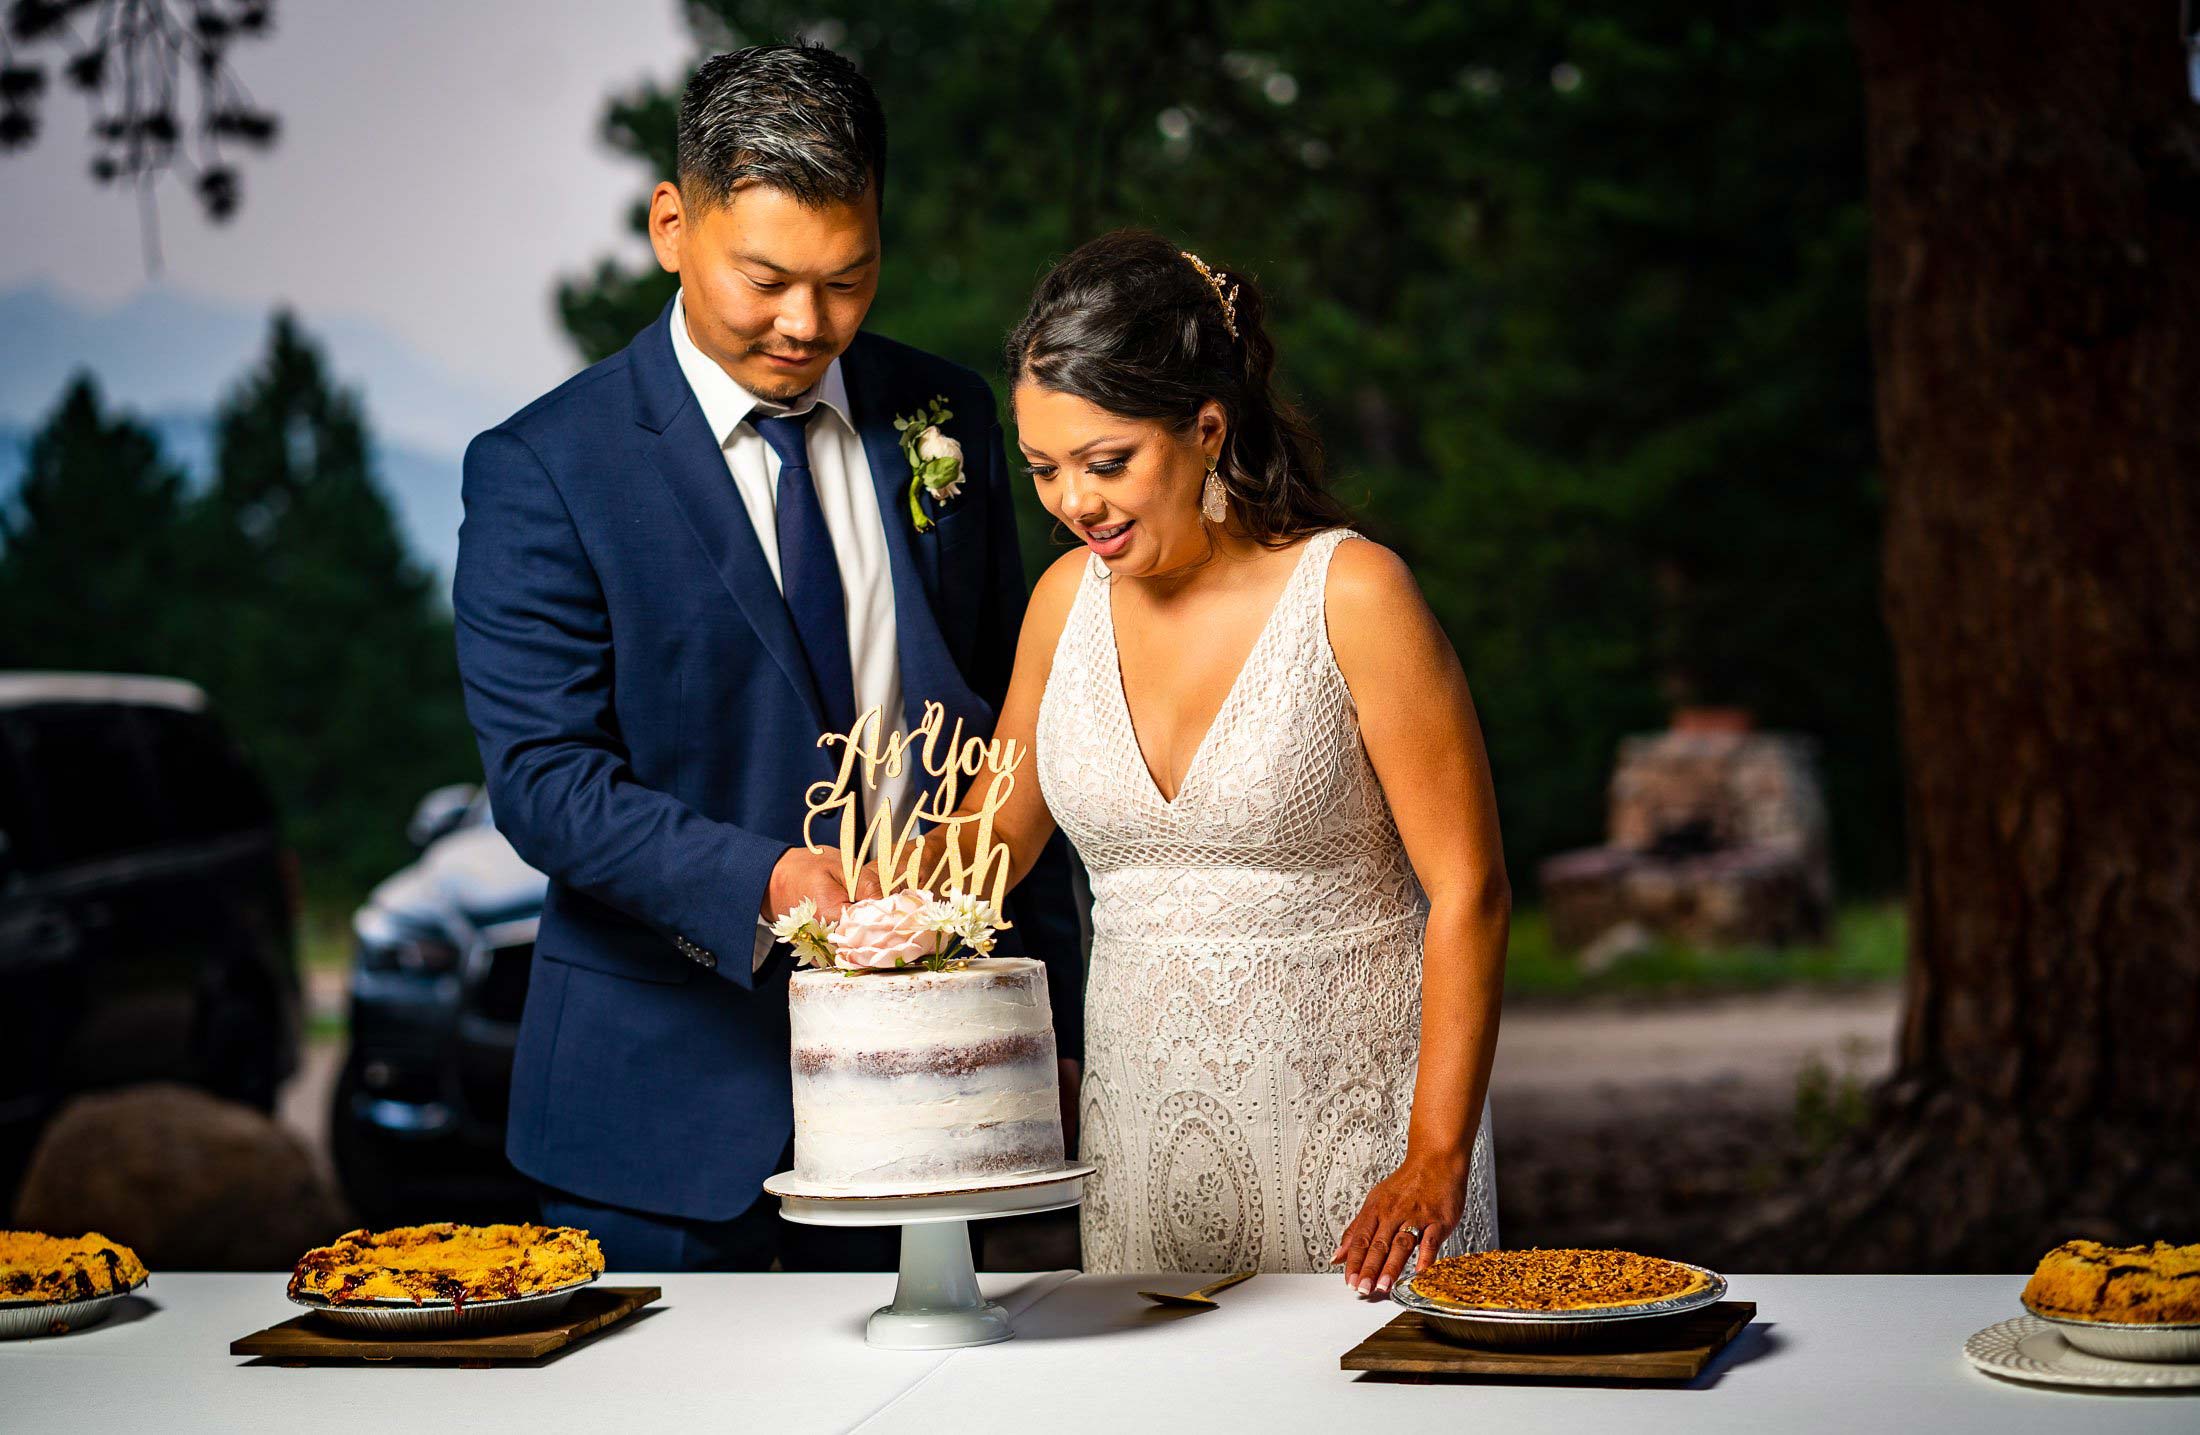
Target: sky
{"x": 439, "y": 168}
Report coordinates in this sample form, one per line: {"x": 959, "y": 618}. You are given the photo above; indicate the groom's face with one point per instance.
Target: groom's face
{"x": 774, "y": 288}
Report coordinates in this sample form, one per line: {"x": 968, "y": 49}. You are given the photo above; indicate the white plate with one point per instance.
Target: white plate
{"x": 968, "y": 1201}
{"x": 2028, "y": 1348}
{"x": 787, "y": 1183}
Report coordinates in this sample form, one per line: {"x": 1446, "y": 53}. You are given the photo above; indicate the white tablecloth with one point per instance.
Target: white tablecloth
{"x": 771, "y": 1353}
{"x": 785, "y": 1354}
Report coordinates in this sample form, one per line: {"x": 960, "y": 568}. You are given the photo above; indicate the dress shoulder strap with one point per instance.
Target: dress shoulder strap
{"x": 1306, "y": 594}
{"x": 1312, "y": 578}
{"x": 1323, "y": 546}
{"x": 1089, "y": 607}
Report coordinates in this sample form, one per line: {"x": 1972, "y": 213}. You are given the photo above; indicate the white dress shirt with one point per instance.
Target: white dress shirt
{"x": 842, "y": 473}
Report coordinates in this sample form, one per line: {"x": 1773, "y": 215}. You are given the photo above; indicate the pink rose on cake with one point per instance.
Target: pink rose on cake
{"x": 882, "y": 933}
{"x": 911, "y": 928}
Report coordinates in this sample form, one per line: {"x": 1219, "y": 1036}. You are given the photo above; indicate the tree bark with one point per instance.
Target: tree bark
{"x": 2034, "y": 176}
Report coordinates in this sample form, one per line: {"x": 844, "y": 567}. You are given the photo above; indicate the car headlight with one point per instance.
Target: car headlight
{"x": 384, "y": 946}
{"x": 419, "y": 956}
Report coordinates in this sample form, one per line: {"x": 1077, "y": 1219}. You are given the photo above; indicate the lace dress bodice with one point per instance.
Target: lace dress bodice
{"x": 1253, "y": 1008}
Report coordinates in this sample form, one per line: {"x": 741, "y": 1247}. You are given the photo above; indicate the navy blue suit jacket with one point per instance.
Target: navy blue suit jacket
{"x": 648, "y": 727}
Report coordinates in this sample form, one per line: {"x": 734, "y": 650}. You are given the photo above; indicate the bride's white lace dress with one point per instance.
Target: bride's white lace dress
{"x": 1254, "y": 1006}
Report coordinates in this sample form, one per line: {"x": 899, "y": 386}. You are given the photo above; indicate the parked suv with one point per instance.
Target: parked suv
{"x": 443, "y": 951}
{"x": 147, "y": 907}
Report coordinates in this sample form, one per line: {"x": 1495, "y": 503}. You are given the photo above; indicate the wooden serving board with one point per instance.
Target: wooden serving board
{"x": 307, "y": 1338}
{"x": 1677, "y": 1349}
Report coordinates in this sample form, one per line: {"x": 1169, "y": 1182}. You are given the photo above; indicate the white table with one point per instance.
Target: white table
{"x": 779, "y": 1353}
{"x": 785, "y": 1353}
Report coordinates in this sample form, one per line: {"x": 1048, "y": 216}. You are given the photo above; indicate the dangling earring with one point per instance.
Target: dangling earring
{"x": 1213, "y": 500}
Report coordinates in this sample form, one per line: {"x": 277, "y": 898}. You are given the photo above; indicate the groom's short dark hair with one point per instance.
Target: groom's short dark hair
{"x": 796, "y": 117}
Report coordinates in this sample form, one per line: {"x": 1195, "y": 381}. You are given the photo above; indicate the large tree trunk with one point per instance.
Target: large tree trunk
{"x": 2035, "y": 198}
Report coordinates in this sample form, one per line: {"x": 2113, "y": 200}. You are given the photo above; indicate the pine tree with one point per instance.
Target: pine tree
{"x": 1575, "y": 291}
{"x": 90, "y": 554}
{"x": 326, "y": 644}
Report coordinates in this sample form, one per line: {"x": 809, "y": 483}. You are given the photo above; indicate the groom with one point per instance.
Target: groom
{"x": 675, "y": 571}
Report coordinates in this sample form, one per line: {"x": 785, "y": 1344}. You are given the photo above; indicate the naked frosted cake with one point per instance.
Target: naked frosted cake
{"x": 907, "y": 1078}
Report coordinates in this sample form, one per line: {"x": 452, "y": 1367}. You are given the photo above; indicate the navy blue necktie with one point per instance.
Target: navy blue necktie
{"x": 809, "y": 570}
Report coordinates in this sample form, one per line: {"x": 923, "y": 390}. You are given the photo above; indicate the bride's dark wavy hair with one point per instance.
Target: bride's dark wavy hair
{"x": 1129, "y": 324}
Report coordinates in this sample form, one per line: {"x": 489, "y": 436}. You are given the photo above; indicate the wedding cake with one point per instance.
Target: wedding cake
{"x": 912, "y": 1078}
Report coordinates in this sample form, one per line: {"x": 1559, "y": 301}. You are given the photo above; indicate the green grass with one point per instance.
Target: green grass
{"x": 324, "y": 945}
{"x": 324, "y": 935}
{"x": 1867, "y": 947}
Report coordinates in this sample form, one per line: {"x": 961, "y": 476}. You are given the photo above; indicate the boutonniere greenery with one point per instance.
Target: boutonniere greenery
{"x": 935, "y": 460}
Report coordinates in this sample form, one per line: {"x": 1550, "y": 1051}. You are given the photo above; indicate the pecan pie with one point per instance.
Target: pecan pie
{"x": 2156, "y": 1284}
{"x": 464, "y": 1265}
{"x": 39, "y": 1267}
{"x": 1553, "y": 1280}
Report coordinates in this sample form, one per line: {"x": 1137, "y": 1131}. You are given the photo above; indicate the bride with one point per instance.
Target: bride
{"x": 1248, "y": 721}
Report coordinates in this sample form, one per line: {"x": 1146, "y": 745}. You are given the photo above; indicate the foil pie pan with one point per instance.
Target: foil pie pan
{"x": 441, "y": 1317}
{"x": 21, "y": 1318}
{"x": 1597, "y": 1325}
{"x": 2127, "y": 1340}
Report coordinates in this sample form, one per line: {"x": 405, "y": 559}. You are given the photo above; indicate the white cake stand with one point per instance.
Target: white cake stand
{"x": 936, "y": 1301}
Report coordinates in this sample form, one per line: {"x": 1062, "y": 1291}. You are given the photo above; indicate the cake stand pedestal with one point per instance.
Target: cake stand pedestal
{"x": 937, "y": 1305}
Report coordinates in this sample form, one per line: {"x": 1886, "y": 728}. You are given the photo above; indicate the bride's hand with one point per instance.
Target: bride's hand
{"x": 1424, "y": 1195}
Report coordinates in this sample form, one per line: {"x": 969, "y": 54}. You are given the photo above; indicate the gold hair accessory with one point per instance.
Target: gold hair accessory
{"x": 1226, "y": 297}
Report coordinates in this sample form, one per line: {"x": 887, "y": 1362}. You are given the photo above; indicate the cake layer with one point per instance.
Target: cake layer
{"x": 900, "y": 1011}
{"x": 916, "y": 1076}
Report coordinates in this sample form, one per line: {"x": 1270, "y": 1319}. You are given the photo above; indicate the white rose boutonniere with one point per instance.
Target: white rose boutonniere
{"x": 935, "y": 460}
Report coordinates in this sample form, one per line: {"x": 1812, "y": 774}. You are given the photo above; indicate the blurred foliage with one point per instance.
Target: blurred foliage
{"x": 91, "y": 548}
{"x": 284, "y": 590}
{"x": 1575, "y": 291}
{"x": 1828, "y": 1104}
{"x": 1866, "y": 948}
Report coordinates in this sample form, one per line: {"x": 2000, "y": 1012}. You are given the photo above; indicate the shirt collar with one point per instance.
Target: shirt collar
{"x": 726, "y": 404}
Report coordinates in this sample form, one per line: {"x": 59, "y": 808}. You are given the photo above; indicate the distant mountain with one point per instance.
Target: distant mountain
{"x": 421, "y": 486}
{"x": 168, "y": 358}
{"x": 161, "y": 352}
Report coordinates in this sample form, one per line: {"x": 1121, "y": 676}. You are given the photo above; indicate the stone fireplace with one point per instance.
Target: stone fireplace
{"x": 1716, "y": 836}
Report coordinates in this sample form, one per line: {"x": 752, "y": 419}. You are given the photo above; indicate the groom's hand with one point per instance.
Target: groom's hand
{"x": 802, "y": 873}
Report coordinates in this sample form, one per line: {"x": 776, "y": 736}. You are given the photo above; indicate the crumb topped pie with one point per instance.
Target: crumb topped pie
{"x": 463, "y": 1265}
{"x": 2157, "y": 1284}
{"x": 38, "y": 1267}
{"x": 1539, "y": 1280}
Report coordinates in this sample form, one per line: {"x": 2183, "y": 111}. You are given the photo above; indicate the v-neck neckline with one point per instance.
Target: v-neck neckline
{"x": 1123, "y": 695}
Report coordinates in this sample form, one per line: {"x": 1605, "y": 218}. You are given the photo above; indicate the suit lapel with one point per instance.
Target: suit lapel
{"x": 687, "y": 458}
{"x": 928, "y": 670}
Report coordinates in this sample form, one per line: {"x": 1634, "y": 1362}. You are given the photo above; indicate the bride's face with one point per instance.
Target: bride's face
{"x": 1128, "y": 488}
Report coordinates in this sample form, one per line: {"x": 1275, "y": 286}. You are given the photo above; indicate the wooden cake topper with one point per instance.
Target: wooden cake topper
{"x": 867, "y": 755}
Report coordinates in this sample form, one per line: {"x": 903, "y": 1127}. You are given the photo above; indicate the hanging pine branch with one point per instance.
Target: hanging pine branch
{"x": 156, "y": 76}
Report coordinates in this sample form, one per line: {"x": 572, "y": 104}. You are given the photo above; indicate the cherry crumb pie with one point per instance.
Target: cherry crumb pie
{"x": 464, "y": 1265}
{"x": 2156, "y": 1284}
{"x": 36, "y": 1267}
